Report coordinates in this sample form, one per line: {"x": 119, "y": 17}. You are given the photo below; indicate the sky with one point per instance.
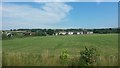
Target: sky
{"x": 60, "y": 0}
{"x": 16, "y": 15}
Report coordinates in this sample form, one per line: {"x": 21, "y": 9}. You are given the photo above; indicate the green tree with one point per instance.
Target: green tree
{"x": 50, "y": 32}
{"x": 88, "y": 56}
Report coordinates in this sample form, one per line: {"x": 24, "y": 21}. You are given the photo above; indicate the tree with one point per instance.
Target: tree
{"x": 4, "y": 36}
{"x": 10, "y": 29}
{"x": 50, "y": 32}
{"x": 14, "y": 29}
{"x": 40, "y": 33}
{"x": 88, "y": 56}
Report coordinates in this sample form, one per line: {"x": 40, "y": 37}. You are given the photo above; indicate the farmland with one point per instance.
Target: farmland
{"x": 33, "y": 50}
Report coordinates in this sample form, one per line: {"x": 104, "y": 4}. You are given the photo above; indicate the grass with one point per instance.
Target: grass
{"x": 46, "y": 50}
{"x": 0, "y": 53}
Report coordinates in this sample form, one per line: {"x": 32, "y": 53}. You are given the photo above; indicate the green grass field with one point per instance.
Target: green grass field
{"x": 106, "y": 44}
{"x": 0, "y": 53}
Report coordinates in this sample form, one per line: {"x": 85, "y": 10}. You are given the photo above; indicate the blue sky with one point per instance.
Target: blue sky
{"x": 60, "y": 0}
{"x": 93, "y": 15}
{"x": 59, "y": 15}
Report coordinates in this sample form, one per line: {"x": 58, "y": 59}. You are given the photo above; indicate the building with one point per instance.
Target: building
{"x": 61, "y": 33}
{"x": 89, "y": 32}
{"x": 73, "y": 32}
{"x": 79, "y": 33}
{"x": 70, "y": 33}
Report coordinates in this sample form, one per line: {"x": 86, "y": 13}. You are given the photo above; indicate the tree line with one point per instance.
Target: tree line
{"x": 44, "y": 32}
{"x": 52, "y": 31}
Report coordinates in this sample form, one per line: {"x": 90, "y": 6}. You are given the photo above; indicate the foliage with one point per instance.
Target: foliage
{"x": 88, "y": 56}
{"x": 4, "y": 36}
{"x": 50, "y": 32}
{"x": 18, "y": 35}
{"x": 64, "y": 56}
{"x": 40, "y": 33}
{"x": 45, "y": 32}
{"x": 105, "y": 31}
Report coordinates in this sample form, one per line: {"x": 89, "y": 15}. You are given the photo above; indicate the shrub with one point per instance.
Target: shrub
{"x": 4, "y": 36}
{"x": 64, "y": 54}
{"x": 88, "y": 56}
{"x": 64, "y": 57}
{"x": 19, "y": 35}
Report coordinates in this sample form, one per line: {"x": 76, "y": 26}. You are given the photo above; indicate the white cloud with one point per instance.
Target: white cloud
{"x": 26, "y": 16}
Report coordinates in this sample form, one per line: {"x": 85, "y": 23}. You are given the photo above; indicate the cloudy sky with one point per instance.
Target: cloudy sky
{"x": 59, "y": 14}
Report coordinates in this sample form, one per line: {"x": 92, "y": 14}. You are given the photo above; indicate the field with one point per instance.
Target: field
{"x": 0, "y": 53}
{"x": 45, "y": 50}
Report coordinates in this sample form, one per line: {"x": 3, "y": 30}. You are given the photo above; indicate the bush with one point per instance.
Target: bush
{"x": 4, "y": 36}
{"x": 88, "y": 57}
{"x": 19, "y": 35}
{"x": 64, "y": 57}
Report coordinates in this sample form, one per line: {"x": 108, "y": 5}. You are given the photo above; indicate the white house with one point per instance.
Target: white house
{"x": 56, "y": 33}
{"x": 70, "y": 33}
{"x": 79, "y": 33}
{"x": 89, "y": 32}
{"x": 62, "y": 33}
{"x": 9, "y": 34}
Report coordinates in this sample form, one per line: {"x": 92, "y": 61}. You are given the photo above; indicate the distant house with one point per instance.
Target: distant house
{"x": 56, "y": 33}
{"x": 29, "y": 33}
{"x": 70, "y": 33}
{"x": 19, "y": 31}
{"x": 62, "y": 33}
{"x": 9, "y": 34}
{"x": 32, "y": 33}
{"x": 25, "y": 33}
{"x": 79, "y": 33}
{"x": 89, "y": 32}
